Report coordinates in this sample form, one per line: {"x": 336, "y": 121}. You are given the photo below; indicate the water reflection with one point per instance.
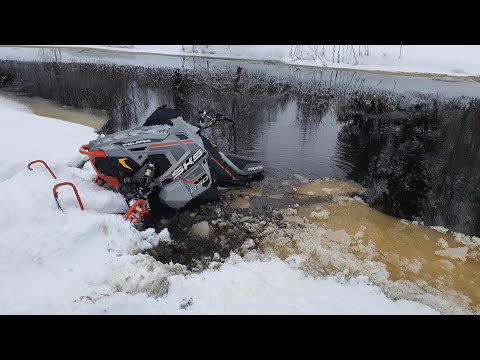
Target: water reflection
{"x": 421, "y": 161}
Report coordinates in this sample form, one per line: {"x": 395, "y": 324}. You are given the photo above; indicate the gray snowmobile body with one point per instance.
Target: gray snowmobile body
{"x": 170, "y": 159}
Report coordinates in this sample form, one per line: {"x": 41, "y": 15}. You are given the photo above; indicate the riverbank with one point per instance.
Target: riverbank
{"x": 448, "y": 62}
{"x": 52, "y": 109}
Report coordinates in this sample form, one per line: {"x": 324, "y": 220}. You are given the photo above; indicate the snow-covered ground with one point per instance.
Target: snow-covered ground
{"x": 90, "y": 261}
{"x": 452, "y": 60}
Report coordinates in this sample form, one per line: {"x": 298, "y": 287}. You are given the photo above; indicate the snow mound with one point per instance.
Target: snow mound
{"x": 31, "y": 137}
{"x": 238, "y": 288}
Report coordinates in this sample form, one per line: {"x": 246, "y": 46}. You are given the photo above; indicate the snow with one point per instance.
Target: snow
{"x": 256, "y": 287}
{"x": 440, "y": 229}
{"x": 359, "y": 234}
{"x": 90, "y": 262}
{"x": 32, "y": 137}
{"x": 459, "y": 253}
{"x": 323, "y": 214}
{"x": 452, "y": 60}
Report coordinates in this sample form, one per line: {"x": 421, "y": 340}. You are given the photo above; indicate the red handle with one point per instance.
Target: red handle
{"x": 44, "y": 163}
{"x": 84, "y": 150}
{"x": 55, "y": 193}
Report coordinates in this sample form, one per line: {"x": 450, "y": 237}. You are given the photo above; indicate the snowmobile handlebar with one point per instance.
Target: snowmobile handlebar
{"x": 228, "y": 120}
{"x": 211, "y": 120}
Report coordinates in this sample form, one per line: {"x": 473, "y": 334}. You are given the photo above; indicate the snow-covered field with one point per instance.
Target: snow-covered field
{"x": 452, "y": 60}
{"x": 90, "y": 261}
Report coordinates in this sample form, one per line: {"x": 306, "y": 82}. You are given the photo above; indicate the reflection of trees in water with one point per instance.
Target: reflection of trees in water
{"x": 456, "y": 197}
{"x": 129, "y": 93}
{"x": 125, "y": 92}
{"x": 423, "y": 162}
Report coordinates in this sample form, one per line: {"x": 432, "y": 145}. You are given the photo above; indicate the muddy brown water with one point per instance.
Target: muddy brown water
{"x": 411, "y": 251}
{"x": 43, "y": 107}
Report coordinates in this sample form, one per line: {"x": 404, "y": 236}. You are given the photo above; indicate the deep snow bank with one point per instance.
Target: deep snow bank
{"x": 29, "y": 137}
{"x": 90, "y": 261}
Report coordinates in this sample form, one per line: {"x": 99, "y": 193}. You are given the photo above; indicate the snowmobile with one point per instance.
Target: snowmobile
{"x": 168, "y": 159}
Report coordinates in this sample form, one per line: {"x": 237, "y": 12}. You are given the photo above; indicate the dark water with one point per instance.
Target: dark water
{"x": 413, "y": 142}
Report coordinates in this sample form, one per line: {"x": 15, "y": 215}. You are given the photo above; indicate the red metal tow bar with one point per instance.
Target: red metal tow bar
{"x": 55, "y": 194}
{"x": 44, "y": 163}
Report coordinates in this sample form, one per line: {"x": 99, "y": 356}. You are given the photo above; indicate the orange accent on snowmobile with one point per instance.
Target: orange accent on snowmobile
{"x": 44, "y": 163}
{"x": 163, "y": 144}
{"x": 55, "y": 194}
{"x": 84, "y": 150}
{"x": 223, "y": 167}
{"x": 92, "y": 155}
{"x": 171, "y": 143}
{"x": 192, "y": 181}
{"x": 136, "y": 211}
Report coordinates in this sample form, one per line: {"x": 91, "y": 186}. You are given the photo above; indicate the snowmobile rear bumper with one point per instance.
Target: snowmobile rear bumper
{"x": 98, "y": 154}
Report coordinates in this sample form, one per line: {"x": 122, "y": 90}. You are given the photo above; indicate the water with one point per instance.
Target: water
{"x": 413, "y": 143}
{"x": 93, "y": 118}
{"x": 431, "y": 258}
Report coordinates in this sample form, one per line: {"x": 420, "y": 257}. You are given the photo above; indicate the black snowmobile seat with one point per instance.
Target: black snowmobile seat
{"x": 238, "y": 163}
{"x": 162, "y": 116}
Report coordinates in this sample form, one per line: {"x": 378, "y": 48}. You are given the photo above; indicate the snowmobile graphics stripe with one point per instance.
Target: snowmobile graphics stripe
{"x": 223, "y": 167}
{"x": 192, "y": 181}
{"x": 169, "y": 143}
{"x": 163, "y": 144}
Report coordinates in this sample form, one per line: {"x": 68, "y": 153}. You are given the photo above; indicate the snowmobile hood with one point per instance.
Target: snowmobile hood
{"x": 139, "y": 135}
{"x": 126, "y": 137}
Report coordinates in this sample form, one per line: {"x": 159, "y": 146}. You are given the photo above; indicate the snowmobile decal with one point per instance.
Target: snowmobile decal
{"x": 130, "y": 143}
{"x": 122, "y": 162}
{"x": 198, "y": 184}
{"x": 187, "y": 164}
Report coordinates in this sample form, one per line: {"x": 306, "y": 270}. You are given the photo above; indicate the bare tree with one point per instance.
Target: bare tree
{"x": 353, "y": 50}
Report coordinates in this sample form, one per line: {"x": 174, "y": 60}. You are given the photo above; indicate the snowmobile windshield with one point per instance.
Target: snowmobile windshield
{"x": 162, "y": 116}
